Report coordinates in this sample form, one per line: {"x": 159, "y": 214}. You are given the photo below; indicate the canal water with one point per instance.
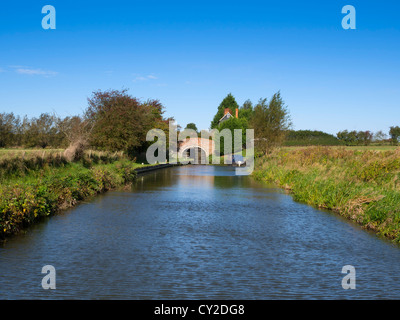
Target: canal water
{"x": 198, "y": 232}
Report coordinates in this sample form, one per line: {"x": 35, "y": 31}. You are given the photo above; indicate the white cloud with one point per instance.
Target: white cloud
{"x": 145, "y": 78}
{"x": 30, "y": 71}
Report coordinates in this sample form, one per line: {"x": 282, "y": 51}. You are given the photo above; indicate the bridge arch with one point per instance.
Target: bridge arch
{"x": 201, "y": 149}
{"x": 197, "y": 153}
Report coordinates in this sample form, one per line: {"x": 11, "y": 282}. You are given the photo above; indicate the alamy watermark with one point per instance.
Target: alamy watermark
{"x": 49, "y": 20}
{"x": 349, "y": 20}
{"x": 349, "y": 281}
{"x": 49, "y": 280}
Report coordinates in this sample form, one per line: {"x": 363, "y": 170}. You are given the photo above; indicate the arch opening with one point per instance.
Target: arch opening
{"x": 195, "y": 155}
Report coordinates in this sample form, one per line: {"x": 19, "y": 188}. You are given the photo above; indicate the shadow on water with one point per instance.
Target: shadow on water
{"x": 198, "y": 232}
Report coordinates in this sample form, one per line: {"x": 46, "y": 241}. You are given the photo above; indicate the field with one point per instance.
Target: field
{"x": 11, "y": 153}
{"x": 360, "y": 148}
{"x": 30, "y": 153}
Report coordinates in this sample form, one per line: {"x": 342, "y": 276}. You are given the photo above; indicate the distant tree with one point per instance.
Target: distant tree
{"x": 309, "y": 137}
{"x": 41, "y": 131}
{"x": 364, "y": 137}
{"x": 379, "y": 136}
{"x": 191, "y": 126}
{"x": 71, "y": 127}
{"x": 247, "y": 105}
{"x": 228, "y": 102}
{"x": 7, "y": 129}
{"x": 18, "y": 133}
{"x": 349, "y": 138}
{"x": 343, "y": 136}
{"x": 75, "y": 131}
{"x": 353, "y": 138}
{"x": 394, "y": 133}
{"x": 270, "y": 122}
{"x": 246, "y": 110}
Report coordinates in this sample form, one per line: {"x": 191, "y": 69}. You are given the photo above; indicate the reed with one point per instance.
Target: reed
{"x": 14, "y": 164}
{"x": 361, "y": 185}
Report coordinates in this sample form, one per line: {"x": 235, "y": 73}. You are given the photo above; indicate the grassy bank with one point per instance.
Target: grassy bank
{"x": 37, "y": 187}
{"x": 362, "y": 185}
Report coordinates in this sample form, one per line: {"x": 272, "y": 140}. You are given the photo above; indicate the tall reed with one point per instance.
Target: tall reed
{"x": 363, "y": 186}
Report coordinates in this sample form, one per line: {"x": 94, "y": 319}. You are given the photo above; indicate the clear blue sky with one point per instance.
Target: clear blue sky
{"x": 191, "y": 54}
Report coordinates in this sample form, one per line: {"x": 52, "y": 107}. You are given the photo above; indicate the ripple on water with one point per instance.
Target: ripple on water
{"x": 198, "y": 232}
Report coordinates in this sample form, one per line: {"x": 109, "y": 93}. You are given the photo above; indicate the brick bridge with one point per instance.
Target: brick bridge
{"x": 198, "y": 149}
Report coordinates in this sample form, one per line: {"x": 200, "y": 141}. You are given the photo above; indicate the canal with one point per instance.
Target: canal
{"x": 198, "y": 232}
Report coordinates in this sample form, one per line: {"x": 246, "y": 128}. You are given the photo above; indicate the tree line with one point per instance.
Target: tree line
{"x": 117, "y": 121}
{"x": 345, "y": 137}
{"x": 310, "y": 137}
{"x": 355, "y": 138}
{"x": 43, "y": 131}
{"x": 270, "y": 120}
{"x": 113, "y": 121}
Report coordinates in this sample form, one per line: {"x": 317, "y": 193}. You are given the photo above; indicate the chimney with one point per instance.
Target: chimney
{"x": 237, "y": 113}
{"x": 226, "y": 111}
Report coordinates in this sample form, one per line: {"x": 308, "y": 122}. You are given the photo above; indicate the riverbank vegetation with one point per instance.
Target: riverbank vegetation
{"x": 37, "y": 187}
{"x": 361, "y": 185}
{"x": 80, "y": 155}
{"x": 357, "y": 176}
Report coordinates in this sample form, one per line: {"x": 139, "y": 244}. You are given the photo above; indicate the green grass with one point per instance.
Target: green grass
{"x": 46, "y": 187}
{"x": 360, "y": 184}
{"x": 7, "y": 153}
{"x": 28, "y": 153}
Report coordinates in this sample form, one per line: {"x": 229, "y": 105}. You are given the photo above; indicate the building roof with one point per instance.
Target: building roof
{"x": 226, "y": 116}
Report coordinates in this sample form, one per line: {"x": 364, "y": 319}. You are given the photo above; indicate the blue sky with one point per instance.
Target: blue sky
{"x": 191, "y": 54}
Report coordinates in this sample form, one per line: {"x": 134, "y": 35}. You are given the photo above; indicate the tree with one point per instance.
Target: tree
{"x": 379, "y": 136}
{"x": 364, "y": 137}
{"x": 228, "y": 102}
{"x": 7, "y": 129}
{"x": 191, "y": 126}
{"x": 247, "y": 105}
{"x": 349, "y": 138}
{"x": 394, "y": 133}
{"x": 270, "y": 122}
{"x": 121, "y": 122}
{"x": 231, "y": 124}
{"x": 309, "y": 137}
{"x": 342, "y": 135}
{"x": 76, "y": 131}
{"x": 246, "y": 110}
{"x": 41, "y": 131}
